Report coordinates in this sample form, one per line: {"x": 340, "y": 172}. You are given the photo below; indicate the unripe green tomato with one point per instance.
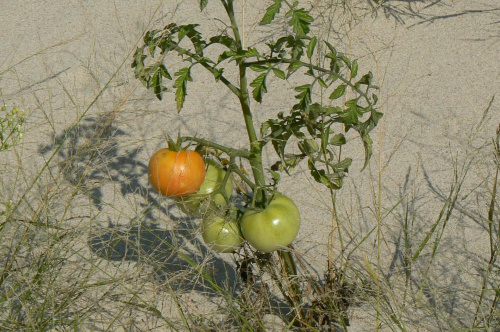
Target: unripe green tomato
{"x": 203, "y": 200}
{"x": 221, "y": 235}
{"x": 272, "y": 228}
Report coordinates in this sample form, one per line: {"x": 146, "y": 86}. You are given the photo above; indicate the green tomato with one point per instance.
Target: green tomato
{"x": 221, "y": 235}
{"x": 275, "y": 227}
{"x": 204, "y": 200}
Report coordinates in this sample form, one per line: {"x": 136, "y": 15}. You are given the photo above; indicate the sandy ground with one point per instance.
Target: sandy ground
{"x": 436, "y": 62}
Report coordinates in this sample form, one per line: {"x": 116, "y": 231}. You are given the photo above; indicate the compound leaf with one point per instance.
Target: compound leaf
{"x": 300, "y": 21}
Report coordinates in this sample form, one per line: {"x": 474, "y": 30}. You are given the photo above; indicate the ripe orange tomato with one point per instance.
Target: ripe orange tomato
{"x": 176, "y": 173}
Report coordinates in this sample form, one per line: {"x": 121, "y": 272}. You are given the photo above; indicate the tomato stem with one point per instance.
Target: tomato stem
{"x": 255, "y": 157}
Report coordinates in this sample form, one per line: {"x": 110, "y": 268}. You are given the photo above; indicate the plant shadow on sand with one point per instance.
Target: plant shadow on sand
{"x": 90, "y": 157}
{"x": 403, "y": 10}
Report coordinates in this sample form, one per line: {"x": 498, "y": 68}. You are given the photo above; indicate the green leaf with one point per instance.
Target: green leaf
{"x": 365, "y": 80}
{"x": 300, "y": 21}
{"x": 350, "y": 116}
{"x": 271, "y": 12}
{"x": 275, "y": 175}
{"x": 338, "y": 140}
{"x": 225, "y": 55}
{"x": 304, "y": 96}
{"x": 320, "y": 176}
{"x": 156, "y": 81}
{"x": 279, "y": 73}
{"x": 185, "y": 29}
{"x": 308, "y": 146}
{"x": 338, "y": 92}
{"x": 195, "y": 37}
{"x": 259, "y": 68}
{"x": 244, "y": 54}
{"x": 311, "y": 46}
{"x": 164, "y": 72}
{"x": 367, "y": 144}
{"x": 354, "y": 69}
{"x": 184, "y": 75}
{"x": 332, "y": 50}
{"x": 367, "y": 126}
{"x": 259, "y": 85}
{"x": 218, "y": 74}
{"x": 346, "y": 61}
{"x": 226, "y": 41}
{"x": 322, "y": 83}
{"x": 342, "y": 166}
{"x": 203, "y": 4}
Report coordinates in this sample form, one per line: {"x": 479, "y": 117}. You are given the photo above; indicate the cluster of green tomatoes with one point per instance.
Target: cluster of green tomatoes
{"x": 196, "y": 184}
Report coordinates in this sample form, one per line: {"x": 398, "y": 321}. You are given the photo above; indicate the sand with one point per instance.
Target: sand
{"x": 436, "y": 63}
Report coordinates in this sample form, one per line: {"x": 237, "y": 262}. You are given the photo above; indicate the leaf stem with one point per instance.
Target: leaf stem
{"x": 313, "y": 67}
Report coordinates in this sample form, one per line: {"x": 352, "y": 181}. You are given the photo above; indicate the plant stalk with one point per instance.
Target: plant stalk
{"x": 255, "y": 158}
{"x": 256, "y": 146}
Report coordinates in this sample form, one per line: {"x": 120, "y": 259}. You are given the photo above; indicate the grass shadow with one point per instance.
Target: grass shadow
{"x": 170, "y": 253}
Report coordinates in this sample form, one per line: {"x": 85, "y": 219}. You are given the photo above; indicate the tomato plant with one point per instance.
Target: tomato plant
{"x": 274, "y": 227}
{"x": 347, "y": 103}
{"x": 209, "y": 197}
{"x": 176, "y": 173}
{"x": 221, "y": 235}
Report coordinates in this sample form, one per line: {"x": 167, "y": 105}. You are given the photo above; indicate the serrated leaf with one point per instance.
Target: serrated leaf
{"x": 304, "y": 96}
{"x": 351, "y": 115}
{"x": 365, "y": 80}
{"x": 342, "y": 166}
{"x": 300, "y": 21}
{"x": 338, "y": 140}
{"x": 225, "y": 55}
{"x": 271, "y": 12}
{"x": 311, "y": 46}
{"x": 218, "y": 74}
{"x": 164, "y": 72}
{"x": 185, "y": 29}
{"x": 279, "y": 73}
{"x": 259, "y": 85}
{"x": 244, "y": 54}
{"x": 184, "y": 75}
{"x": 367, "y": 126}
{"x": 320, "y": 176}
{"x": 203, "y": 4}
{"x": 156, "y": 85}
{"x": 195, "y": 37}
{"x": 226, "y": 41}
{"x": 338, "y": 92}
